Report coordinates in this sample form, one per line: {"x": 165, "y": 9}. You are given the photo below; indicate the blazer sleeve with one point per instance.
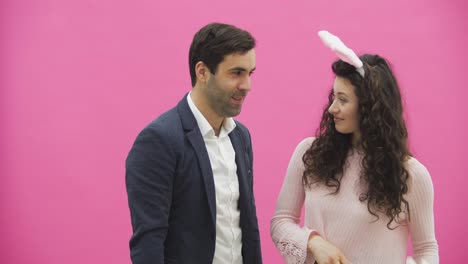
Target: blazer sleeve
{"x": 150, "y": 168}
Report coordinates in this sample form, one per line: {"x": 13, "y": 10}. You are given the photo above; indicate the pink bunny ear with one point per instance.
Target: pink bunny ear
{"x": 344, "y": 53}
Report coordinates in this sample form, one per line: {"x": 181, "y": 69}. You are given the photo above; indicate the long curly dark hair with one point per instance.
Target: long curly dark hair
{"x": 383, "y": 140}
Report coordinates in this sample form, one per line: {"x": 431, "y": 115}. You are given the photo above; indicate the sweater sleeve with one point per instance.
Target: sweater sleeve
{"x": 286, "y": 233}
{"x": 421, "y": 200}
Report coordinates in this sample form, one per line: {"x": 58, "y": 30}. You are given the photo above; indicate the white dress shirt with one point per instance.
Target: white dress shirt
{"x": 228, "y": 248}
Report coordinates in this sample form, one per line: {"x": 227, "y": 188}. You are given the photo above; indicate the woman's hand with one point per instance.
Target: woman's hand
{"x": 324, "y": 252}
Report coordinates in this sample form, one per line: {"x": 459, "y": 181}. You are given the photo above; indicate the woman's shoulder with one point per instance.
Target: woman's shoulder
{"x": 418, "y": 173}
{"x": 305, "y": 144}
{"x": 415, "y": 166}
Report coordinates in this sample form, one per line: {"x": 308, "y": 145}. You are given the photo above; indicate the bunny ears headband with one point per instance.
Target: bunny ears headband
{"x": 344, "y": 53}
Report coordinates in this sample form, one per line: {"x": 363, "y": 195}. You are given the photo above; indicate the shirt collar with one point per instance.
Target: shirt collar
{"x": 205, "y": 128}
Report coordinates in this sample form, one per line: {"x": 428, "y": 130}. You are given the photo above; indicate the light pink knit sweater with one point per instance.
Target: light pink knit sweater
{"x": 345, "y": 222}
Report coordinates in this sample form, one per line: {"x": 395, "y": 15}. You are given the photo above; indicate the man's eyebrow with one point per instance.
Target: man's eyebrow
{"x": 237, "y": 69}
{"x": 240, "y": 69}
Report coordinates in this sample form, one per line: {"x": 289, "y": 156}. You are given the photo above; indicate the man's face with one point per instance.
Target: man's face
{"x": 226, "y": 90}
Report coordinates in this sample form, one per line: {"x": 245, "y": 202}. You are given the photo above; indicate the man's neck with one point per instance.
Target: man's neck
{"x": 215, "y": 121}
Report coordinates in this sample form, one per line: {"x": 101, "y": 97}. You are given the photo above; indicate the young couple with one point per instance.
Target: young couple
{"x": 189, "y": 174}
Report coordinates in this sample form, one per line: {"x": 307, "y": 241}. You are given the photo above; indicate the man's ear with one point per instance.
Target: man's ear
{"x": 202, "y": 71}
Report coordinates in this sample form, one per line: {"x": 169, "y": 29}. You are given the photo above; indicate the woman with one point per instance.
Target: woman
{"x": 364, "y": 193}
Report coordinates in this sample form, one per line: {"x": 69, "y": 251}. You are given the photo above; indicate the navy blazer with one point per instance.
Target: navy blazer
{"x": 171, "y": 192}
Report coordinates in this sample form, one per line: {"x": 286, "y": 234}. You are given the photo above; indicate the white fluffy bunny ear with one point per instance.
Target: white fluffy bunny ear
{"x": 344, "y": 53}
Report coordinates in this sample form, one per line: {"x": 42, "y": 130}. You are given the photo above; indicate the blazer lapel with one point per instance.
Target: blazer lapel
{"x": 242, "y": 171}
{"x": 196, "y": 140}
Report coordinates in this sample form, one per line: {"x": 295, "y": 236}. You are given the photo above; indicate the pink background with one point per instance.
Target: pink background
{"x": 80, "y": 78}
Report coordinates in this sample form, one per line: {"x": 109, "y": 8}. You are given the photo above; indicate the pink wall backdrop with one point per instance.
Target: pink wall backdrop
{"x": 80, "y": 78}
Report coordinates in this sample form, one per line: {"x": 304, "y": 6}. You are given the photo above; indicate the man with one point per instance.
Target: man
{"x": 189, "y": 172}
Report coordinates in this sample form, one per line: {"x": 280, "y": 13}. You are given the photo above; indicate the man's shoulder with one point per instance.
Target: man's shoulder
{"x": 165, "y": 119}
{"x": 167, "y": 125}
{"x": 242, "y": 127}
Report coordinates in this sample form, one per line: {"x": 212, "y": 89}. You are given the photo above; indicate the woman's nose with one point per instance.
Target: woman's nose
{"x": 332, "y": 109}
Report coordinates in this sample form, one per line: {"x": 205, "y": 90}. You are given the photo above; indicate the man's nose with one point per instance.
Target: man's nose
{"x": 246, "y": 84}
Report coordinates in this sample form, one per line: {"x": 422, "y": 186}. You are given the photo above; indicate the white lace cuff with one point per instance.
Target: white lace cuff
{"x": 292, "y": 253}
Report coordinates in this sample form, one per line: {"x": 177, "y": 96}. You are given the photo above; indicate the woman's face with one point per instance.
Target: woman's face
{"x": 344, "y": 108}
